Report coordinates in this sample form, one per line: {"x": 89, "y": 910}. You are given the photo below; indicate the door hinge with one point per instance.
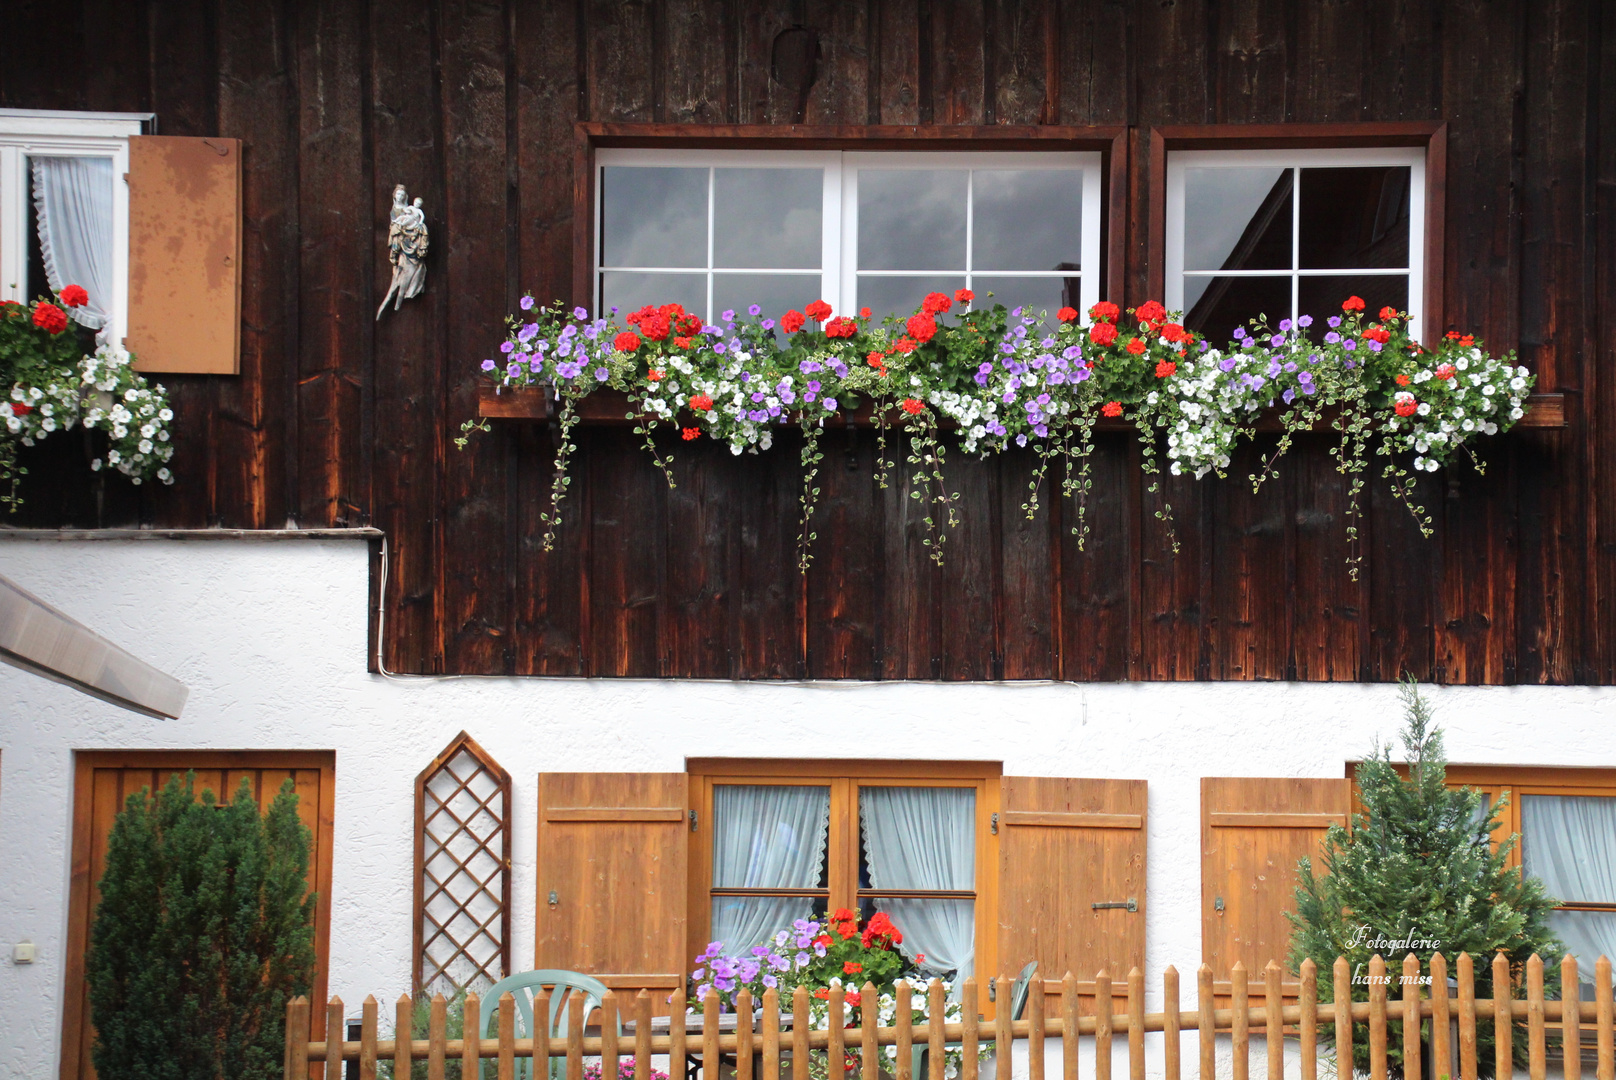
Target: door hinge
{"x": 993, "y": 825}
{"x": 692, "y": 821}
{"x": 1217, "y": 903}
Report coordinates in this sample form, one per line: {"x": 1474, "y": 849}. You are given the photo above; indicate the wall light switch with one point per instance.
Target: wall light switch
{"x": 22, "y": 952}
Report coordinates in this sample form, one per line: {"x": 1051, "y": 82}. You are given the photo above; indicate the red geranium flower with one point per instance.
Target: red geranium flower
{"x": 656, "y": 326}
{"x": 74, "y": 296}
{"x": 1402, "y": 380}
{"x": 1467, "y": 341}
{"x": 1446, "y": 371}
{"x": 1111, "y": 408}
{"x": 818, "y": 310}
{"x": 1105, "y": 309}
{"x": 905, "y": 345}
{"x": 963, "y": 296}
{"x": 841, "y": 327}
{"x": 912, "y": 406}
{"x": 935, "y": 303}
{"x": 1452, "y": 335}
{"x": 19, "y": 409}
{"x": 1151, "y": 312}
{"x": 50, "y": 318}
{"x": 1066, "y": 314}
{"x": 690, "y": 326}
{"x": 876, "y": 359}
{"x": 1406, "y": 404}
{"x": 1377, "y": 333}
{"x": 627, "y": 341}
{"x": 681, "y": 343}
{"x": 690, "y": 433}
{"x": 791, "y": 321}
{"x": 1353, "y": 303}
{"x": 700, "y": 402}
{"x": 1387, "y": 314}
{"x": 864, "y": 313}
{"x": 1172, "y": 332}
{"x": 1102, "y": 333}
{"x": 922, "y": 327}
{"x": 822, "y": 939}
{"x": 851, "y": 967}
{"x": 1136, "y": 345}
{"x": 1165, "y": 368}
{"x": 654, "y": 375}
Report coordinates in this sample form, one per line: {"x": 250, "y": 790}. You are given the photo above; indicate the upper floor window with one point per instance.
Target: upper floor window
{"x": 64, "y": 210}
{"x": 1286, "y": 233}
{"x": 726, "y": 230}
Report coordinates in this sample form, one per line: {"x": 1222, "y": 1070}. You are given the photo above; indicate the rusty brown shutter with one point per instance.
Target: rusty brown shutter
{"x": 185, "y": 254}
{"x": 613, "y": 862}
{"x": 1253, "y": 830}
{"x": 1066, "y": 845}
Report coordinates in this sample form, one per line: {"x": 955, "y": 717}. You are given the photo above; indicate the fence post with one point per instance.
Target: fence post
{"x": 403, "y": 1032}
{"x": 1241, "y": 1002}
{"x": 1171, "y": 1043}
{"x": 642, "y": 1039}
{"x": 1308, "y": 1029}
{"x": 709, "y": 1034}
{"x": 297, "y": 1039}
{"x": 541, "y": 1037}
{"x": 1102, "y": 1026}
{"x": 1377, "y": 1017}
{"x": 1441, "y": 1042}
{"x": 507, "y": 1033}
{"x": 471, "y": 1043}
{"x": 367, "y": 1039}
{"x": 1503, "y": 1031}
{"x": 904, "y": 1063}
{"x": 1411, "y": 1017}
{"x": 1467, "y": 1017}
{"x": 970, "y": 1043}
{"x": 1069, "y": 1036}
{"x": 1341, "y": 972}
{"x": 1273, "y": 1022}
{"x": 1035, "y": 1027}
{"x": 437, "y": 1047}
{"x": 1536, "y": 1036}
{"x": 678, "y": 1048}
{"x": 869, "y": 1049}
{"x": 1003, "y": 1043}
{"x": 935, "y": 1047}
{"x": 1605, "y": 1017}
{"x": 333, "y": 1039}
{"x": 771, "y": 1036}
{"x": 836, "y": 1037}
{"x": 608, "y": 1036}
{"x": 1136, "y": 1024}
{"x": 575, "y": 1035}
{"x": 1571, "y": 1018}
{"x": 1206, "y": 1023}
{"x": 743, "y": 1038}
{"x": 799, "y": 1035}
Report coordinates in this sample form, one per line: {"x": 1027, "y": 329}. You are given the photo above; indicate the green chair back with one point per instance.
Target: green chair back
{"x": 522, "y": 986}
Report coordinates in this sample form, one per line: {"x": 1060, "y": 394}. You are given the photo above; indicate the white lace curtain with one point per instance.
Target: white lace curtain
{"x": 765, "y": 837}
{"x": 1569, "y": 842}
{"x": 73, "y": 202}
{"x": 925, "y": 838}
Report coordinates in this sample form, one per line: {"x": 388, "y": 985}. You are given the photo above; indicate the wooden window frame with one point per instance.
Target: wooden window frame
{"x": 1433, "y": 137}
{"x": 844, "y": 778}
{"x": 1111, "y": 142}
{"x": 80, "y": 887}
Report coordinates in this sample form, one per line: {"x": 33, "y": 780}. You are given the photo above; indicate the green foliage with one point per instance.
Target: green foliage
{"x": 1418, "y": 873}
{"x": 203, "y": 932}
{"x": 454, "y": 1027}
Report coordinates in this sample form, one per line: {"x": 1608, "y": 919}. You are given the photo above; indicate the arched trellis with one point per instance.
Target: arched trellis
{"x": 462, "y": 869}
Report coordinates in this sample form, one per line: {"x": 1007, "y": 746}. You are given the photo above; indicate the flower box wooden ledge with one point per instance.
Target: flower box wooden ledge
{"x": 606, "y": 407}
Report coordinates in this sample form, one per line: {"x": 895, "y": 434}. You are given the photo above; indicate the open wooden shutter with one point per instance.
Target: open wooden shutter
{"x": 1066, "y": 845}
{"x": 1253, "y": 830}
{"x": 185, "y": 254}
{"x": 613, "y": 855}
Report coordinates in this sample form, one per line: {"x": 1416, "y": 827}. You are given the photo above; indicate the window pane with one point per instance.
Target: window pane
{"x": 911, "y": 219}
{"x": 627, "y": 290}
{"x": 768, "y": 218}
{"x": 1587, "y": 935}
{"x": 1569, "y": 841}
{"x": 902, "y": 295}
{"x": 943, "y": 931}
{"x": 1041, "y": 294}
{"x": 769, "y": 836}
{"x": 1027, "y": 219}
{"x": 1237, "y": 219}
{"x": 1355, "y": 218}
{"x": 1214, "y": 306}
{"x": 775, "y": 293}
{"x": 918, "y": 837}
{"x": 751, "y": 920}
{"x": 653, "y": 217}
{"x": 1322, "y": 296}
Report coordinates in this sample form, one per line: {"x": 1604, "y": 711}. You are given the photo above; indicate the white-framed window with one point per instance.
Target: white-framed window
{"x": 1285, "y": 233}
{"x": 64, "y": 209}
{"x": 720, "y": 230}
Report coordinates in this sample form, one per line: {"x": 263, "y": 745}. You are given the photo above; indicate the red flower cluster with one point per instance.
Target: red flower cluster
{"x": 963, "y": 296}
{"x": 922, "y": 327}
{"x": 912, "y": 405}
{"x": 1446, "y": 371}
{"x": 851, "y": 967}
{"x": 74, "y": 296}
{"x": 1377, "y": 333}
{"x": 864, "y": 313}
{"x": 844, "y": 922}
{"x": 841, "y": 327}
{"x": 681, "y": 343}
{"x": 880, "y": 932}
{"x": 700, "y": 402}
{"x": 1102, "y": 333}
{"x": 1152, "y": 312}
{"x": 1402, "y": 380}
{"x": 1173, "y": 332}
{"x": 935, "y": 303}
{"x": 818, "y": 311}
{"x": 654, "y": 375}
{"x": 1389, "y": 313}
{"x": 626, "y": 342}
{"x": 1165, "y": 368}
{"x": 1136, "y": 346}
{"x": 1105, "y": 309}
{"x": 1111, "y": 408}
{"x": 1465, "y": 340}
{"x": 690, "y": 433}
{"x": 50, "y": 318}
{"x": 1406, "y": 406}
{"x": 656, "y": 323}
{"x": 905, "y": 345}
{"x": 1066, "y": 314}
{"x": 792, "y": 321}
{"x": 1353, "y": 303}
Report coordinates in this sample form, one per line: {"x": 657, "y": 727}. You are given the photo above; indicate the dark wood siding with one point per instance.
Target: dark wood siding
{"x": 337, "y": 419}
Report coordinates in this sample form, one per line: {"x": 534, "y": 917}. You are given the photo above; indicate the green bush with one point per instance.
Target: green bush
{"x": 204, "y": 930}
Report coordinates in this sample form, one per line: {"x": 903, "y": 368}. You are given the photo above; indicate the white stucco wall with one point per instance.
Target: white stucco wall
{"x": 270, "y": 637}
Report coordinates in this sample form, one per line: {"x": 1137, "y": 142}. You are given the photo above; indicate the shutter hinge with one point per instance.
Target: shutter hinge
{"x": 692, "y": 821}
{"x": 994, "y": 827}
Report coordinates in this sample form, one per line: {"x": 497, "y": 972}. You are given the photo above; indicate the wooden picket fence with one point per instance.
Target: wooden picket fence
{"x": 782, "y": 1050}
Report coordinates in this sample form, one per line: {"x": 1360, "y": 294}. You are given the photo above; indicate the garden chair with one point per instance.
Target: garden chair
{"x": 1018, "y": 1005}
{"x": 522, "y": 987}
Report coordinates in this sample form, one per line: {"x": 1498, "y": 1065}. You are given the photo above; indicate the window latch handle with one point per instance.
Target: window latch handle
{"x": 993, "y": 826}
{"x": 1130, "y": 904}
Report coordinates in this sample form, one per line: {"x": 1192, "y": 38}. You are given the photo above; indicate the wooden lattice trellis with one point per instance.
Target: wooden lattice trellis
{"x": 462, "y": 869}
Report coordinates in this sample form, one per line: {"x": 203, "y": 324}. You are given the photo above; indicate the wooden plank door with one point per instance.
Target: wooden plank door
{"x": 613, "y": 860}
{"x": 1065, "y": 846}
{"x": 1253, "y": 831}
{"x": 104, "y": 779}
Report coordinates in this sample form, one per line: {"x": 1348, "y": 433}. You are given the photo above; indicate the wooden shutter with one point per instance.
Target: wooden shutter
{"x": 613, "y": 861}
{"x": 1253, "y": 830}
{"x": 1064, "y": 846}
{"x": 103, "y": 779}
{"x": 185, "y": 254}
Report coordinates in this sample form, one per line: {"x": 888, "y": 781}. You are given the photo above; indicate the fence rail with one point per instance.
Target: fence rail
{"x": 777, "y": 1051}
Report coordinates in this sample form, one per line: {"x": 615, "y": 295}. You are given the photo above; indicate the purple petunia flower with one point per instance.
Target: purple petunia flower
{"x": 1277, "y": 340}
{"x": 506, "y": 346}
{"x": 755, "y": 310}
{"x": 1350, "y": 346}
{"x": 1289, "y": 396}
{"x": 489, "y": 365}
{"x": 537, "y": 366}
{"x": 770, "y": 982}
{"x": 1332, "y": 337}
{"x": 830, "y": 406}
{"x": 601, "y": 374}
{"x": 746, "y": 376}
{"x": 1227, "y": 363}
{"x": 1305, "y": 321}
{"x": 1240, "y": 333}
{"x": 528, "y": 332}
{"x": 767, "y": 324}
{"x": 1290, "y": 365}
{"x": 1375, "y": 346}
{"x": 1284, "y": 324}
{"x": 748, "y": 970}
{"x": 720, "y": 348}
{"x": 728, "y": 314}
{"x": 802, "y": 959}
{"x": 813, "y": 385}
{"x": 514, "y": 370}
{"x": 1334, "y": 321}
{"x": 981, "y": 379}
{"x": 527, "y": 303}
{"x": 568, "y": 331}
{"x": 579, "y": 313}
